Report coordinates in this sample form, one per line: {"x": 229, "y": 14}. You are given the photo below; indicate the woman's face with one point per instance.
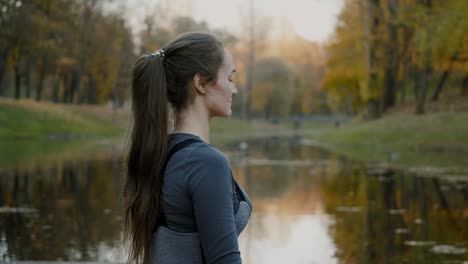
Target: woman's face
{"x": 219, "y": 94}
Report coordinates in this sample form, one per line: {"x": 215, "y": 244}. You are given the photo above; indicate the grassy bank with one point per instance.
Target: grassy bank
{"x": 227, "y": 130}
{"x": 32, "y": 133}
{"x": 28, "y": 120}
{"x": 438, "y": 139}
{"x": 30, "y": 130}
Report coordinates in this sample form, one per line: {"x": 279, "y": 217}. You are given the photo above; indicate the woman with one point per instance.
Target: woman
{"x": 182, "y": 204}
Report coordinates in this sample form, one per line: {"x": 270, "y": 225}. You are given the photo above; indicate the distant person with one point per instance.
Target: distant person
{"x": 182, "y": 203}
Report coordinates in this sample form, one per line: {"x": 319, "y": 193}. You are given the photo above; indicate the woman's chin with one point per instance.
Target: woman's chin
{"x": 228, "y": 113}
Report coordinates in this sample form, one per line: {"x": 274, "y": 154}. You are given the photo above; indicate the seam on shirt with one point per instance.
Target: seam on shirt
{"x": 185, "y": 160}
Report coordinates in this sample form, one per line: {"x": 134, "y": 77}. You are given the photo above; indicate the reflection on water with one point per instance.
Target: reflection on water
{"x": 70, "y": 211}
{"x": 310, "y": 206}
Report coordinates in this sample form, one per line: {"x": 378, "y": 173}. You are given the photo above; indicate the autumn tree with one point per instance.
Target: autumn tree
{"x": 385, "y": 48}
{"x": 450, "y": 43}
{"x": 66, "y": 51}
{"x": 307, "y": 62}
{"x": 351, "y": 76}
{"x": 271, "y": 96}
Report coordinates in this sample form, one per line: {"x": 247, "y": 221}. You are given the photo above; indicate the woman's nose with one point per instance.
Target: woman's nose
{"x": 234, "y": 90}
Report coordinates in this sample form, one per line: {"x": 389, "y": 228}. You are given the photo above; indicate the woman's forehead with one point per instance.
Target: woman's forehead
{"x": 228, "y": 63}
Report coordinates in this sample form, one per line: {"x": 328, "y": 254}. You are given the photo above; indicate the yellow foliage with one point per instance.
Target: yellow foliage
{"x": 260, "y": 95}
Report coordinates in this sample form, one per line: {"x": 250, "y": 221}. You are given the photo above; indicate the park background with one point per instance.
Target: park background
{"x": 349, "y": 130}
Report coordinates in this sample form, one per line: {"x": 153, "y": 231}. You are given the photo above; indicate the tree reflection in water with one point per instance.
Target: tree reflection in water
{"x": 402, "y": 218}
{"x": 75, "y": 211}
{"x": 310, "y": 206}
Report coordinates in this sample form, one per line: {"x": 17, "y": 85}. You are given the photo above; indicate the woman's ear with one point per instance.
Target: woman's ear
{"x": 199, "y": 84}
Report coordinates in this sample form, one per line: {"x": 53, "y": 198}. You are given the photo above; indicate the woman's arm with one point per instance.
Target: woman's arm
{"x": 211, "y": 188}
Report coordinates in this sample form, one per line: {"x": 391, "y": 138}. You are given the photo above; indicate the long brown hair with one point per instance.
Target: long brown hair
{"x": 159, "y": 80}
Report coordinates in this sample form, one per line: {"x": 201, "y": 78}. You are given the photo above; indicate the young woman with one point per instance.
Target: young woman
{"x": 182, "y": 203}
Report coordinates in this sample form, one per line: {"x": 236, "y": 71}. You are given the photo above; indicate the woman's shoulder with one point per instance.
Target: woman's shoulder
{"x": 200, "y": 151}
{"x": 208, "y": 154}
{"x": 208, "y": 169}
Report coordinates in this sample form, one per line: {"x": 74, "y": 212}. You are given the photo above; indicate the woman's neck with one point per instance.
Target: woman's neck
{"x": 194, "y": 120}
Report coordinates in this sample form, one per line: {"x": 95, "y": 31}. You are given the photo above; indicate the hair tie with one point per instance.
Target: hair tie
{"x": 159, "y": 53}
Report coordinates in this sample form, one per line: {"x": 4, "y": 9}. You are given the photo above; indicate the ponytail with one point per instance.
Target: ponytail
{"x": 148, "y": 150}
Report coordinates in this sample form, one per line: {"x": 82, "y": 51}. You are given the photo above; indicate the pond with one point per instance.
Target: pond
{"x": 310, "y": 206}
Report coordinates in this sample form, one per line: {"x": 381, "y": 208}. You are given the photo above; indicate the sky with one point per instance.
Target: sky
{"x": 313, "y": 19}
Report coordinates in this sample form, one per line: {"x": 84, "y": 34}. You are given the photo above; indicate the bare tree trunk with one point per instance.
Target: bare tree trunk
{"x": 373, "y": 108}
{"x": 56, "y": 88}
{"x": 122, "y": 82}
{"x": 3, "y": 63}
{"x": 74, "y": 85}
{"x": 40, "y": 85}
{"x": 17, "y": 81}
{"x": 28, "y": 78}
{"x": 420, "y": 90}
{"x": 85, "y": 44}
{"x": 41, "y": 77}
{"x": 2, "y": 192}
{"x": 464, "y": 87}
{"x": 406, "y": 63}
{"x": 440, "y": 85}
{"x": 66, "y": 87}
{"x": 402, "y": 90}
{"x": 390, "y": 88}
{"x": 391, "y": 67}
{"x": 427, "y": 68}
{"x": 91, "y": 93}
{"x": 443, "y": 79}
{"x": 402, "y": 85}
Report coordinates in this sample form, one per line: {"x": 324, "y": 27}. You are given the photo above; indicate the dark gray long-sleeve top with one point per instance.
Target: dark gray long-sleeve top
{"x": 199, "y": 196}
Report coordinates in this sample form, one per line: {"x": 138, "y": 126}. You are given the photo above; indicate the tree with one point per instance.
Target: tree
{"x": 392, "y": 56}
{"x": 351, "y": 75}
{"x": 449, "y": 42}
{"x": 17, "y": 47}
{"x": 65, "y": 49}
{"x": 422, "y": 13}
{"x": 274, "y": 83}
{"x": 307, "y": 61}
{"x": 373, "y": 22}
{"x": 415, "y": 44}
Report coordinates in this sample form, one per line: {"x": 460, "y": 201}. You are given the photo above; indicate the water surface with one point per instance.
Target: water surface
{"x": 310, "y": 206}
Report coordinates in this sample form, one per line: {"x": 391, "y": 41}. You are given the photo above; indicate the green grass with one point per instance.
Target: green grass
{"x": 439, "y": 139}
{"x": 33, "y": 132}
{"x": 230, "y": 126}
{"x": 29, "y": 153}
{"x": 26, "y": 120}
{"x": 228, "y": 130}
